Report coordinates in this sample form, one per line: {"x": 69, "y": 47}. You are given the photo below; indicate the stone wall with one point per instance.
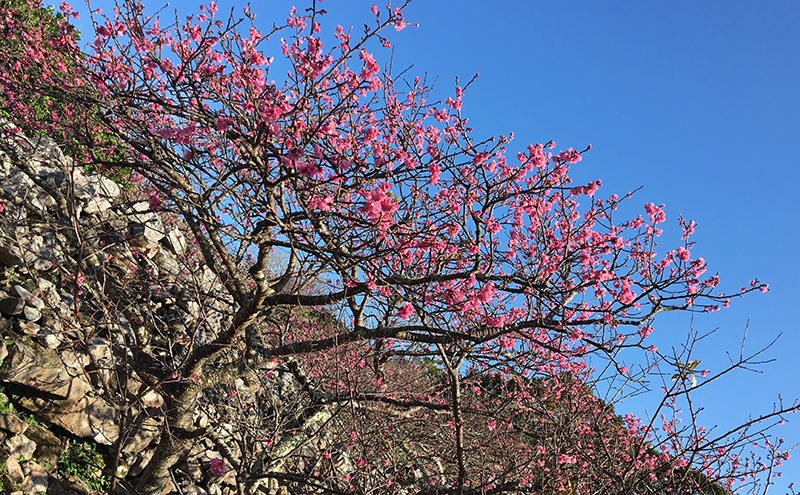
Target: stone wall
{"x": 87, "y": 272}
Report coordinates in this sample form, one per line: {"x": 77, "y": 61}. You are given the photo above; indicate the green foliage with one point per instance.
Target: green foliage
{"x": 84, "y": 462}
{"x": 431, "y": 368}
{"x": 6, "y": 407}
{"x": 12, "y": 276}
{"x": 29, "y": 418}
{"x": 3, "y": 473}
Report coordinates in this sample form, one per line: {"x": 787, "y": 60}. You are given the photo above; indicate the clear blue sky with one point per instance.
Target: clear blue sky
{"x": 696, "y": 101}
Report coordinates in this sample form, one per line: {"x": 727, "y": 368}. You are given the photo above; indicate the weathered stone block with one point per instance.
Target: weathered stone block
{"x": 89, "y": 417}
{"x": 28, "y": 297}
{"x": 32, "y": 365}
{"x": 11, "y": 423}
{"x": 20, "y": 445}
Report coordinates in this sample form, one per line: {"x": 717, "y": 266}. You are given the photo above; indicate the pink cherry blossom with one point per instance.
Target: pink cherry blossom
{"x": 217, "y": 467}
{"x": 406, "y": 311}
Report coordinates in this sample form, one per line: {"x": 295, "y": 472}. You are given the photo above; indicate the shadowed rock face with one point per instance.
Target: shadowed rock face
{"x": 48, "y": 446}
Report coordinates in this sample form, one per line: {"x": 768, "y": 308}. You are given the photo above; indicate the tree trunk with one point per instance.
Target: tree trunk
{"x": 156, "y": 474}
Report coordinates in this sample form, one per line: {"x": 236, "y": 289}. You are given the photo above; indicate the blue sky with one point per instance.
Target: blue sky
{"x": 696, "y": 101}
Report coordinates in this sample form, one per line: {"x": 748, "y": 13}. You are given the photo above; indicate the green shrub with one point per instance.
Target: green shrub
{"x": 84, "y": 462}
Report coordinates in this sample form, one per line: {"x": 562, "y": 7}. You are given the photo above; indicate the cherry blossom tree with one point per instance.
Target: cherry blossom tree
{"x": 447, "y": 305}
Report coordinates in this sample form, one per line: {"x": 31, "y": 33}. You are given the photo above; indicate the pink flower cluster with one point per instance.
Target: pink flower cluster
{"x": 569, "y": 156}
{"x": 406, "y": 311}
{"x": 379, "y": 204}
{"x": 217, "y": 467}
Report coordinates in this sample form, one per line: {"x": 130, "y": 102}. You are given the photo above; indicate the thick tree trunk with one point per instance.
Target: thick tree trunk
{"x": 156, "y": 474}
{"x": 176, "y": 440}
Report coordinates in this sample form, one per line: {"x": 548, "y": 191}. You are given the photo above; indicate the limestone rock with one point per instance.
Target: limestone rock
{"x": 32, "y": 314}
{"x": 37, "y": 481}
{"x": 146, "y": 397}
{"x": 140, "y": 461}
{"x": 14, "y": 469}
{"x": 28, "y": 297}
{"x": 167, "y": 263}
{"x": 145, "y": 235}
{"x": 95, "y": 190}
{"x": 51, "y": 340}
{"x": 193, "y": 490}
{"x": 145, "y": 227}
{"x": 75, "y": 362}
{"x": 32, "y": 365}
{"x": 176, "y": 241}
{"x": 29, "y": 328}
{"x": 21, "y": 446}
{"x": 71, "y": 485}
{"x": 97, "y": 205}
{"x": 50, "y": 322}
{"x": 119, "y": 240}
{"x": 49, "y": 293}
{"x": 11, "y": 423}
{"x": 100, "y": 352}
{"x": 38, "y": 253}
{"x": 48, "y": 446}
{"x": 89, "y": 417}
{"x": 194, "y": 469}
